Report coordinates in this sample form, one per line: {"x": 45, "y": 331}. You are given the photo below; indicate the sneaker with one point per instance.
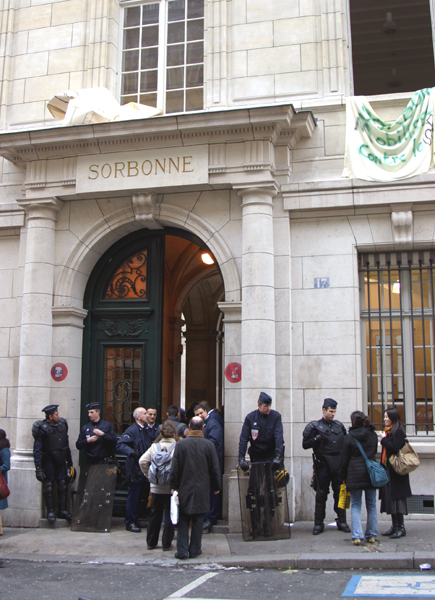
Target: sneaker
{"x": 372, "y": 540}
{"x": 358, "y": 542}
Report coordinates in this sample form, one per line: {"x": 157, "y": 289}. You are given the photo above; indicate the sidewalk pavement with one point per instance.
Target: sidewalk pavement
{"x": 330, "y": 550}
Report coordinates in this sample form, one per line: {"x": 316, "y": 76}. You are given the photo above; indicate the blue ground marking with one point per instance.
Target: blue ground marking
{"x": 396, "y": 586}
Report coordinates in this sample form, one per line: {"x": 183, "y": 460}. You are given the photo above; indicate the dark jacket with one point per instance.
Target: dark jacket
{"x": 5, "y": 465}
{"x": 399, "y": 484}
{"x": 134, "y": 442}
{"x": 353, "y": 468}
{"x": 194, "y": 470}
{"x": 327, "y": 449}
{"x": 103, "y": 447}
{"x": 213, "y": 431}
{"x": 213, "y": 414}
{"x": 265, "y": 434}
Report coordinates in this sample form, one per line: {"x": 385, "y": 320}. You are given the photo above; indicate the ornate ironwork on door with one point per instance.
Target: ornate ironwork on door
{"x": 130, "y": 280}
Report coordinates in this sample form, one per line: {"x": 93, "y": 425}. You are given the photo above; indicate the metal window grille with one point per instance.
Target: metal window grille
{"x": 398, "y": 333}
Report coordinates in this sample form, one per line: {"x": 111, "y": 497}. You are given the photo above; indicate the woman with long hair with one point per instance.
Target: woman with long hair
{"x": 160, "y": 494}
{"x": 5, "y": 465}
{"x": 353, "y": 471}
{"x": 393, "y": 495}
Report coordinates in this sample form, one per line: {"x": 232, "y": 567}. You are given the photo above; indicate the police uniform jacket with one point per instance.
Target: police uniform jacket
{"x": 214, "y": 432}
{"x": 135, "y": 439}
{"x": 265, "y": 434}
{"x": 103, "y": 447}
{"x": 328, "y": 448}
{"x": 353, "y": 467}
{"x": 51, "y": 443}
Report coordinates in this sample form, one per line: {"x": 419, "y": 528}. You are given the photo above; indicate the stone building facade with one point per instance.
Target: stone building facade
{"x": 245, "y": 163}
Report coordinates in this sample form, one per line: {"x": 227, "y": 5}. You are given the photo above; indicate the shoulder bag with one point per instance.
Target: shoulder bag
{"x": 4, "y": 490}
{"x": 405, "y": 461}
{"x": 377, "y": 473}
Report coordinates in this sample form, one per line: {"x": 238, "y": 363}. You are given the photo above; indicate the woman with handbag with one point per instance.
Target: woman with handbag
{"x": 353, "y": 471}
{"x": 5, "y": 465}
{"x": 393, "y": 495}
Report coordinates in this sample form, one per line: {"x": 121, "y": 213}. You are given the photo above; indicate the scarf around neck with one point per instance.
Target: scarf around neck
{"x": 195, "y": 433}
{"x": 384, "y": 450}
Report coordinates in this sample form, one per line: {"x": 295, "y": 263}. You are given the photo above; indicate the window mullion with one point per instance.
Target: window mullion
{"x": 161, "y": 69}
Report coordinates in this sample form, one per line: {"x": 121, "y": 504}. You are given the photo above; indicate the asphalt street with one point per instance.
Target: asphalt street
{"x": 21, "y": 580}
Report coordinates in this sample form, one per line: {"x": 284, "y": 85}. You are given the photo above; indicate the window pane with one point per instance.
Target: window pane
{"x": 150, "y": 36}
{"x": 176, "y": 10}
{"x": 129, "y": 83}
{"x": 175, "y": 33}
{"x": 195, "y": 53}
{"x": 195, "y": 30}
{"x": 132, "y": 16}
{"x": 175, "y": 55}
{"x": 148, "y": 99}
{"x": 131, "y": 38}
{"x": 127, "y": 99}
{"x": 174, "y": 102}
{"x": 195, "y": 8}
{"x": 149, "y": 58}
{"x": 194, "y": 99}
{"x": 150, "y": 14}
{"x": 194, "y": 76}
{"x": 130, "y": 61}
{"x": 174, "y": 78}
{"x": 148, "y": 81}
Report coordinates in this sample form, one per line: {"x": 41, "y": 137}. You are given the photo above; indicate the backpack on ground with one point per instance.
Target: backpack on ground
{"x": 160, "y": 467}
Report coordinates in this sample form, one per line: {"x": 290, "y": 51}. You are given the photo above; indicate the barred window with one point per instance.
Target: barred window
{"x": 398, "y": 332}
{"x": 163, "y": 55}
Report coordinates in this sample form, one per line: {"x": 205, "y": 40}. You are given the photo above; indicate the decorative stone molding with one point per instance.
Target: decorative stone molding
{"x": 232, "y": 311}
{"x": 259, "y": 156}
{"x": 402, "y": 226}
{"x": 68, "y": 316}
{"x": 36, "y": 174}
{"x": 11, "y": 215}
{"x": 41, "y": 208}
{"x": 143, "y": 207}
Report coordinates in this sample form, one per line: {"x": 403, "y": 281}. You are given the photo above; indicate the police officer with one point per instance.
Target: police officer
{"x": 326, "y": 437}
{"x": 52, "y": 454}
{"x": 97, "y": 438}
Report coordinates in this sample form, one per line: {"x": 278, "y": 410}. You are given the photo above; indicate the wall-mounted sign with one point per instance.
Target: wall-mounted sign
{"x": 147, "y": 169}
{"x": 321, "y": 282}
{"x": 233, "y": 372}
{"x": 59, "y": 372}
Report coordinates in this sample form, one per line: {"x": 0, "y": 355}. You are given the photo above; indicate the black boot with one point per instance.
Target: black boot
{"x": 47, "y": 489}
{"x": 319, "y": 516}
{"x": 400, "y": 531}
{"x": 341, "y": 521}
{"x": 393, "y": 527}
{"x": 62, "y": 512}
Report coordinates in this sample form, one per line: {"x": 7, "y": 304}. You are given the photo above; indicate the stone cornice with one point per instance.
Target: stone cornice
{"x": 278, "y": 123}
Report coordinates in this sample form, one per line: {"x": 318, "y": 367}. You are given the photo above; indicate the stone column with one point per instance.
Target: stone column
{"x": 258, "y": 296}
{"x": 35, "y": 353}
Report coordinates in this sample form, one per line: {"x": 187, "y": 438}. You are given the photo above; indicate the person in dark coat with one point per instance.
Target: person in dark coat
{"x": 393, "y": 495}
{"x": 195, "y": 467}
{"x": 5, "y": 465}
{"x": 97, "y": 438}
{"x": 326, "y": 437}
{"x": 353, "y": 471}
{"x": 213, "y": 432}
{"x": 173, "y": 414}
{"x": 134, "y": 442}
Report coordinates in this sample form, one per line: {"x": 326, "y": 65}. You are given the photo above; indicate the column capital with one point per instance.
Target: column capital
{"x": 41, "y": 208}
{"x": 266, "y": 188}
{"x": 232, "y": 311}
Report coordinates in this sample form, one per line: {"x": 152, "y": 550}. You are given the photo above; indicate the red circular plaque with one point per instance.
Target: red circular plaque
{"x": 233, "y": 372}
{"x": 59, "y": 372}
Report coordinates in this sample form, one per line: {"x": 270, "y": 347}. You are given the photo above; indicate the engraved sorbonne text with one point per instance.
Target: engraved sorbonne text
{"x": 132, "y": 168}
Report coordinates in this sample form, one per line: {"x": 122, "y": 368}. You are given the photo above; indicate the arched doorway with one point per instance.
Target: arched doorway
{"x": 132, "y": 344}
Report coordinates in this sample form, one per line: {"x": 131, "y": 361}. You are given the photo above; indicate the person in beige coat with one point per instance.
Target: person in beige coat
{"x": 160, "y": 494}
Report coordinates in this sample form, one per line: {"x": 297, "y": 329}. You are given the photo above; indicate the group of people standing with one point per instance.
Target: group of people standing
{"x": 337, "y": 458}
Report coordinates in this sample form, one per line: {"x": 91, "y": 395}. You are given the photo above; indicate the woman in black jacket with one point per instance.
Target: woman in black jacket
{"x": 393, "y": 495}
{"x": 354, "y": 472}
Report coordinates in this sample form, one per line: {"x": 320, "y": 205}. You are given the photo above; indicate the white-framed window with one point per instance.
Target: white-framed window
{"x": 163, "y": 54}
{"x": 391, "y": 45}
{"x": 398, "y": 336}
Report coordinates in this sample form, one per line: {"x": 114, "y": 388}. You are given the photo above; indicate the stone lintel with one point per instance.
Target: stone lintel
{"x": 68, "y": 316}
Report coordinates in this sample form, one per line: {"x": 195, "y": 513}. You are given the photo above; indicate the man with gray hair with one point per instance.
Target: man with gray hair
{"x": 134, "y": 442}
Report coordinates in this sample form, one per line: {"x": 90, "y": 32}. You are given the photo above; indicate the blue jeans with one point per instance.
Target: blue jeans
{"x": 372, "y": 515}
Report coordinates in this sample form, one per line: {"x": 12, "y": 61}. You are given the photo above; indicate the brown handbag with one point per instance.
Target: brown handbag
{"x": 4, "y": 490}
{"x": 405, "y": 461}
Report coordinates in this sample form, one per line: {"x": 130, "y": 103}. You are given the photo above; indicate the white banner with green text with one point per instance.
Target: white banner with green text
{"x": 377, "y": 150}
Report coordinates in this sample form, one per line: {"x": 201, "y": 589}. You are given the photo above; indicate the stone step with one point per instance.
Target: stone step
{"x": 220, "y": 527}
{"x": 44, "y": 524}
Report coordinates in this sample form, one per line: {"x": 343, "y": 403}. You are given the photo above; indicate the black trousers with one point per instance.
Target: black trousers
{"x": 160, "y": 504}
{"x": 326, "y": 478}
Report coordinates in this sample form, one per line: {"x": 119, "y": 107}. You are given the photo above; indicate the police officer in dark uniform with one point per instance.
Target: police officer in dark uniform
{"x": 263, "y": 430}
{"x": 97, "y": 438}
{"x": 52, "y": 455}
{"x": 326, "y": 437}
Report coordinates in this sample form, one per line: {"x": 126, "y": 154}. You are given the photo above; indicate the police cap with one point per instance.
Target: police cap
{"x": 50, "y": 409}
{"x": 329, "y": 403}
{"x": 93, "y": 406}
{"x": 264, "y": 398}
